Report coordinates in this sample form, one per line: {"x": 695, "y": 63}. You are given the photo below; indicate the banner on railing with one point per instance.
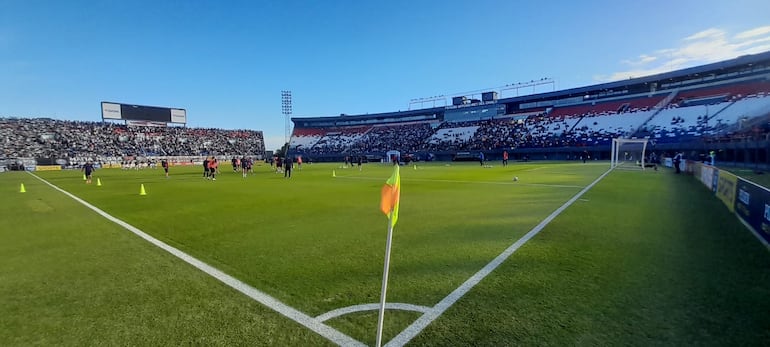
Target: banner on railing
{"x": 707, "y": 176}
{"x": 48, "y": 168}
{"x": 753, "y": 206}
{"x": 726, "y": 186}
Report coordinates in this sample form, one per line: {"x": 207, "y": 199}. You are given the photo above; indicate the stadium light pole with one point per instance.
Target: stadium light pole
{"x": 286, "y": 110}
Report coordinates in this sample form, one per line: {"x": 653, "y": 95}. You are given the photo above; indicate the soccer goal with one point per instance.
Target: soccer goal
{"x": 628, "y": 154}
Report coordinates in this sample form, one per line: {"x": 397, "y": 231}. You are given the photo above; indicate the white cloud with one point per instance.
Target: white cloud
{"x": 708, "y": 33}
{"x": 703, "y": 47}
{"x": 643, "y": 59}
{"x": 753, "y": 32}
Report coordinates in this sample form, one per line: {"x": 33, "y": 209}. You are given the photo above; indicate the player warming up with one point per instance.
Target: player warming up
{"x": 164, "y": 164}
{"x": 213, "y": 166}
{"x": 88, "y": 169}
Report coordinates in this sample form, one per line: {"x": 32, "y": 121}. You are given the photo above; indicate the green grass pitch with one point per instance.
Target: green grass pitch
{"x": 642, "y": 258}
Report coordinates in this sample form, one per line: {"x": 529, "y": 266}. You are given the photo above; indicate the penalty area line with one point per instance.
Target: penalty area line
{"x": 421, "y": 323}
{"x": 309, "y": 322}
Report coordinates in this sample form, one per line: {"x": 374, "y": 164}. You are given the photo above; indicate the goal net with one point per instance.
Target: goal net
{"x": 628, "y": 154}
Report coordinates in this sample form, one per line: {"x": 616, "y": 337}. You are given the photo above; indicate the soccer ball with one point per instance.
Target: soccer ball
{"x": 515, "y": 178}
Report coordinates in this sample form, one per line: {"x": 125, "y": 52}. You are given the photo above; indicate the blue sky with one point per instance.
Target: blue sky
{"x": 226, "y": 62}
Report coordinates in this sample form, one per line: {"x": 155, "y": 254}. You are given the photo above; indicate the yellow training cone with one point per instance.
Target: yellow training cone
{"x": 22, "y": 190}
{"x": 334, "y": 174}
{"x": 141, "y": 190}
{"x": 84, "y": 177}
{"x": 98, "y": 182}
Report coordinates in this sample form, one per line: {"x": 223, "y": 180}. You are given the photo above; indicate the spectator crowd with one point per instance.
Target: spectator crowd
{"x": 48, "y": 138}
{"x": 544, "y": 128}
{"x": 550, "y": 128}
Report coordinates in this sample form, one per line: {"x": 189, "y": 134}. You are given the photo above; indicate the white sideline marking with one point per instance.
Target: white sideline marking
{"x": 754, "y": 232}
{"x": 518, "y": 183}
{"x": 263, "y": 298}
{"x": 421, "y": 323}
{"x": 370, "y": 307}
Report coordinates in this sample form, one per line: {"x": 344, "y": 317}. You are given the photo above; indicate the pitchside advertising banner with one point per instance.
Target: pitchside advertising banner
{"x": 753, "y": 206}
{"x": 726, "y": 186}
{"x": 48, "y": 168}
{"x": 707, "y": 176}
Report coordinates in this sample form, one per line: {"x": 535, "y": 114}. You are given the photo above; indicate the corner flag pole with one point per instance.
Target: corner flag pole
{"x": 385, "y": 280}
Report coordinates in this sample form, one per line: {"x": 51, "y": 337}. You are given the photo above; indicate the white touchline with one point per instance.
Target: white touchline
{"x": 421, "y": 323}
{"x": 263, "y": 298}
{"x": 371, "y": 307}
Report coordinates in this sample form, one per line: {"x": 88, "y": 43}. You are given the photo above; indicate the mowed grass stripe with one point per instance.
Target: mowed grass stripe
{"x": 650, "y": 259}
{"x": 70, "y": 278}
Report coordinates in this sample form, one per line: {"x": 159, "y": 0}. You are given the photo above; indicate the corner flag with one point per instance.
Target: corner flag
{"x": 391, "y": 193}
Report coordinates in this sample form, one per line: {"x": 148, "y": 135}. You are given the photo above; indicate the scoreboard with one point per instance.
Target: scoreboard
{"x": 116, "y": 111}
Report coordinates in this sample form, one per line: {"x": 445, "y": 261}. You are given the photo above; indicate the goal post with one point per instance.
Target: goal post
{"x": 628, "y": 153}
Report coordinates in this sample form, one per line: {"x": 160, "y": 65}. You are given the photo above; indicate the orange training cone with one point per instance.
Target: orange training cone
{"x": 22, "y": 190}
{"x": 141, "y": 190}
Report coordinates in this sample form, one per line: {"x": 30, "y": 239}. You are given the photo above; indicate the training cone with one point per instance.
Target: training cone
{"x": 334, "y": 174}
{"x": 98, "y": 182}
{"x": 22, "y": 190}
{"x": 84, "y": 177}
{"x": 415, "y": 166}
{"x": 141, "y": 190}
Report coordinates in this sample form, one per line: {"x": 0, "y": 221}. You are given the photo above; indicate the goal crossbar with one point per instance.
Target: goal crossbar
{"x": 615, "y": 153}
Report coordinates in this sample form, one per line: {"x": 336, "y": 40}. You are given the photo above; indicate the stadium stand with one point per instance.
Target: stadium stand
{"x": 410, "y": 136}
{"x": 304, "y": 139}
{"x": 47, "y": 138}
{"x": 690, "y": 108}
{"x": 680, "y": 108}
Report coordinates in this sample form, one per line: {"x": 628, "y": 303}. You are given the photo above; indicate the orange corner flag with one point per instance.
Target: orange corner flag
{"x": 391, "y": 193}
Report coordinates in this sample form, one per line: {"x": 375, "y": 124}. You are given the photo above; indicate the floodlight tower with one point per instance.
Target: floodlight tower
{"x": 286, "y": 110}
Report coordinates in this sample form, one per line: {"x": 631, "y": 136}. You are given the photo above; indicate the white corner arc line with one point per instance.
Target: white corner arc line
{"x": 421, "y": 323}
{"x": 311, "y": 323}
{"x": 371, "y": 307}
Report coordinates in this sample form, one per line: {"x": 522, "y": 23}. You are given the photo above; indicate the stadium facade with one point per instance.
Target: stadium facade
{"x": 723, "y": 106}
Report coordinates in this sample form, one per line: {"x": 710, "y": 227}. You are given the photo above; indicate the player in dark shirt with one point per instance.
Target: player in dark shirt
{"x": 88, "y": 169}
{"x": 245, "y": 166}
{"x": 164, "y": 164}
{"x": 206, "y": 168}
{"x": 288, "y": 164}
